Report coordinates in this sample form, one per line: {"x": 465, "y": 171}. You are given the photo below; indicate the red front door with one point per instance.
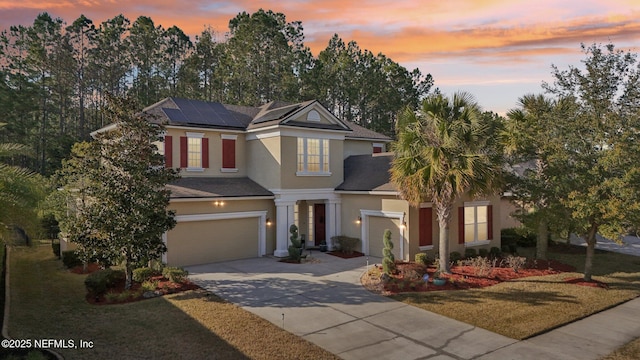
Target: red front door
{"x": 319, "y": 223}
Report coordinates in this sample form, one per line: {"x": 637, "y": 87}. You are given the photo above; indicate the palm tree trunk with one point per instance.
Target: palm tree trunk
{"x": 443, "y": 212}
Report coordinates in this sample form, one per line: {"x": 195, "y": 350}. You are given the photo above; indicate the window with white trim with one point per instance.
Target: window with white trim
{"x": 313, "y": 156}
{"x": 194, "y": 152}
{"x": 476, "y": 223}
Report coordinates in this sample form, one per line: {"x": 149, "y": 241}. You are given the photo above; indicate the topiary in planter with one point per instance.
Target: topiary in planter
{"x": 388, "y": 260}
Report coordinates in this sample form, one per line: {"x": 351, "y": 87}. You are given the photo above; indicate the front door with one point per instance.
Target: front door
{"x": 319, "y": 223}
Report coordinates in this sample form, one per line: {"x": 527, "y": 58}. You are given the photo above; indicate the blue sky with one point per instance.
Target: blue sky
{"x": 499, "y": 50}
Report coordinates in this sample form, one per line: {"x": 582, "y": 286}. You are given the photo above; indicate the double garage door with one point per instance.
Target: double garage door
{"x": 207, "y": 241}
{"x": 376, "y": 227}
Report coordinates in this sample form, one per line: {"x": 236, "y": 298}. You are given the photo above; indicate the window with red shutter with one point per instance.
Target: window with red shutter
{"x": 426, "y": 226}
{"x": 228, "y": 153}
{"x": 168, "y": 151}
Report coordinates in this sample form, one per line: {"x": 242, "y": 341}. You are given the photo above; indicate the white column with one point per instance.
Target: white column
{"x": 284, "y": 219}
{"x": 332, "y": 222}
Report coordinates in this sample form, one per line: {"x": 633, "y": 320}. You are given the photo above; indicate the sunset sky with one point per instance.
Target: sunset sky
{"x": 498, "y": 50}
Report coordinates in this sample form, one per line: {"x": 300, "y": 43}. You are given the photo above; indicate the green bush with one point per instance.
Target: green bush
{"x": 495, "y": 251}
{"x": 483, "y": 252}
{"x": 70, "y": 259}
{"x": 388, "y": 260}
{"x": 295, "y": 249}
{"x": 56, "y": 249}
{"x": 175, "y": 274}
{"x": 100, "y": 281}
{"x": 347, "y": 244}
{"x": 470, "y": 253}
{"x": 143, "y": 273}
{"x": 422, "y": 258}
{"x": 455, "y": 256}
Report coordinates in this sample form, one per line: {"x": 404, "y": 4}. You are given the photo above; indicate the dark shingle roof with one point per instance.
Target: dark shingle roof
{"x": 206, "y": 187}
{"x": 360, "y": 132}
{"x": 367, "y": 173}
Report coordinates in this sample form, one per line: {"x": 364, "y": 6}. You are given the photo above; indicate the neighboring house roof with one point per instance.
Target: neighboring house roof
{"x": 360, "y": 132}
{"x": 367, "y": 173}
{"x": 212, "y": 187}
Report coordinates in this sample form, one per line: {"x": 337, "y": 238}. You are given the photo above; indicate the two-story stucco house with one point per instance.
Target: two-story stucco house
{"x": 248, "y": 173}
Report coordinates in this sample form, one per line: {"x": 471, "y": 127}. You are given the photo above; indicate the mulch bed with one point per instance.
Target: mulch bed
{"x": 164, "y": 287}
{"x": 409, "y": 277}
{"x": 343, "y": 255}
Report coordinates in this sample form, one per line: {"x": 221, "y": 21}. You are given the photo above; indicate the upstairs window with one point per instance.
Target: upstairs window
{"x": 194, "y": 152}
{"x": 229, "y": 153}
{"x": 313, "y": 156}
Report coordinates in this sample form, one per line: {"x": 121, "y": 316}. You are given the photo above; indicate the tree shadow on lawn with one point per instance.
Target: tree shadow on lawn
{"x": 533, "y": 298}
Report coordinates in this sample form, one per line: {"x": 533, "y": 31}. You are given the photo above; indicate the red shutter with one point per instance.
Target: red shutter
{"x": 205, "y": 153}
{"x": 461, "y": 225}
{"x": 426, "y": 226}
{"x": 228, "y": 154}
{"x": 183, "y": 152}
{"x": 490, "y": 221}
{"x": 168, "y": 151}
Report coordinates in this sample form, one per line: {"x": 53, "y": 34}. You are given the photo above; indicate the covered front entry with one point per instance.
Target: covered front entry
{"x": 319, "y": 225}
{"x": 202, "y": 239}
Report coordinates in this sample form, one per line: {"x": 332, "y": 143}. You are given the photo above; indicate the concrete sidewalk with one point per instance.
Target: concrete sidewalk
{"x": 324, "y": 303}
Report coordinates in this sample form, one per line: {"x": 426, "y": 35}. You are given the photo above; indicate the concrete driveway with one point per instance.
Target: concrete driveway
{"x": 324, "y": 303}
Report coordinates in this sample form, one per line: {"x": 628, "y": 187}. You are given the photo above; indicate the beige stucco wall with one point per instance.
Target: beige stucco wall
{"x": 357, "y": 147}
{"x": 288, "y": 177}
{"x": 377, "y": 226}
{"x": 264, "y": 159}
{"x": 506, "y": 209}
{"x": 215, "y": 153}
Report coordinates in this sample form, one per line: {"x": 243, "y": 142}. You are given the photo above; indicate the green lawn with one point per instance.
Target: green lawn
{"x": 528, "y": 306}
{"x": 48, "y": 302}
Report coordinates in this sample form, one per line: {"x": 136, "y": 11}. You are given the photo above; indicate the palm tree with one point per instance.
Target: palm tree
{"x": 443, "y": 151}
{"x": 20, "y": 191}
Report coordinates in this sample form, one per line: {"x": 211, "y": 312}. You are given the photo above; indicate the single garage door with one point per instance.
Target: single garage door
{"x": 377, "y": 226}
{"x": 202, "y": 242}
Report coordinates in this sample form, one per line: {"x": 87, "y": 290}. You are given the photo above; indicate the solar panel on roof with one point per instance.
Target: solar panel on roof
{"x": 203, "y": 113}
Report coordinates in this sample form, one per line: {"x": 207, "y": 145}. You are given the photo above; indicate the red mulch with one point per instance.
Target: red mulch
{"x": 90, "y": 268}
{"x": 343, "y": 255}
{"x": 592, "y": 283}
{"x": 408, "y": 277}
{"x": 164, "y": 287}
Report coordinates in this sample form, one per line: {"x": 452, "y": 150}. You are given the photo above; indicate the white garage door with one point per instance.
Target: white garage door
{"x": 202, "y": 242}
{"x": 377, "y": 226}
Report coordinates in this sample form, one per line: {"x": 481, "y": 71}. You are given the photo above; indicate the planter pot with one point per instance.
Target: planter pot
{"x": 323, "y": 248}
{"x": 439, "y": 282}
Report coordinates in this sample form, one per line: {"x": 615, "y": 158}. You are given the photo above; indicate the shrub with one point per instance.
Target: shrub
{"x": 483, "y": 252}
{"x": 495, "y": 251}
{"x": 515, "y": 262}
{"x": 175, "y": 274}
{"x": 388, "y": 260}
{"x": 70, "y": 259}
{"x": 422, "y": 258}
{"x": 149, "y": 285}
{"x": 56, "y": 249}
{"x": 102, "y": 280}
{"x": 470, "y": 253}
{"x": 455, "y": 256}
{"x": 142, "y": 274}
{"x": 481, "y": 265}
{"x": 295, "y": 249}
{"x": 347, "y": 244}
